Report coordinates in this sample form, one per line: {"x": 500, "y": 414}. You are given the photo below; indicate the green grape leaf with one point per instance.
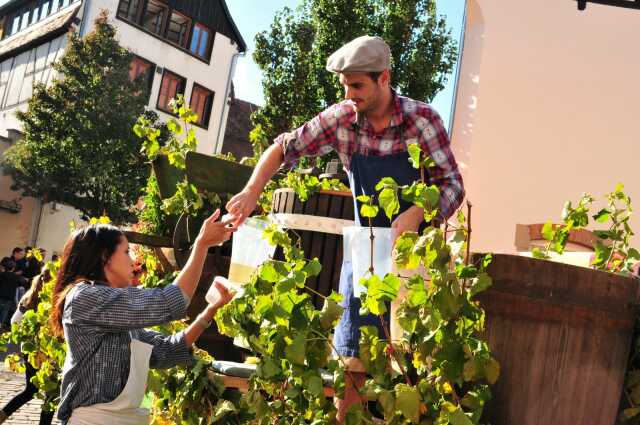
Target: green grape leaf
{"x": 313, "y": 384}
{"x": 414, "y": 154}
{"x": 369, "y": 211}
{"x": 312, "y": 268}
{"x": 295, "y": 351}
{"x": 408, "y": 402}
{"x": 480, "y": 284}
{"x": 602, "y": 216}
{"x": 538, "y": 253}
{"x": 330, "y": 315}
{"x": 388, "y": 200}
{"x": 548, "y": 231}
{"x": 492, "y": 371}
{"x": 386, "y": 182}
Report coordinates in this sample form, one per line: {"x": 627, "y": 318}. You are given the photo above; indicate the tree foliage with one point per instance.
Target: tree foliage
{"x": 293, "y": 54}
{"x": 79, "y": 148}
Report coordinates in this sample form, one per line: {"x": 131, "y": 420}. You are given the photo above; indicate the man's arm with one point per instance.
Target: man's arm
{"x": 316, "y": 137}
{"x": 243, "y": 204}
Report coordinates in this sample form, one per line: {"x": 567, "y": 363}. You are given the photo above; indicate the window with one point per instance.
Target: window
{"x": 154, "y": 17}
{"x": 172, "y": 85}
{"x": 200, "y": 41}
{"x": 25, "y": 19}
{"x": 33, "y": 12}
{"x": 128, "y": 9}
{"x": 15, "y": 25}
{"x": 178, "y": 29}
{"x": 201, "y": 103}
{"x": 46, "y": 9}
{"x": 142, "y": 69}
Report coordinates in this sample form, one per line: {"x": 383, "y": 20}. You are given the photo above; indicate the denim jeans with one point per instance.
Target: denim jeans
{"x": 347, "y": 336}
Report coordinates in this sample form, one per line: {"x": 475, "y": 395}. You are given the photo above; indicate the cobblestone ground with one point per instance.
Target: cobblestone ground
{"x": 12, "y": 384}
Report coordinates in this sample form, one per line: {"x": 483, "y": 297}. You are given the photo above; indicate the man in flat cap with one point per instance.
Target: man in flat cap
{"x": 370, "y": 130}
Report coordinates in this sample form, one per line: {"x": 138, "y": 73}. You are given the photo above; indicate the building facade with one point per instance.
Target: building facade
{"x": 186, "y": 47}
{"x": 546, "y": 109}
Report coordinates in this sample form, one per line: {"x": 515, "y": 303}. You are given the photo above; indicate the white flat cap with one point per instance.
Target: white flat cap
{"x": 363, "y": 54}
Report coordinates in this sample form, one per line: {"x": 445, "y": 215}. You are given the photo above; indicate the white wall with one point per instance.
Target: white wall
{"x": 547, "y": 108}
{"x": 213, "y": 76}
{"x": 55, "y": 227}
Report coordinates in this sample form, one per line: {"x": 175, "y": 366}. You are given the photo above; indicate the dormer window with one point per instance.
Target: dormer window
{"x": 178, "y": 29}
{"x": 154, "y": 17}
{"x": 200, "y": 41}
{"x": 128, "y": 9}
{"x": 31, "y": 13}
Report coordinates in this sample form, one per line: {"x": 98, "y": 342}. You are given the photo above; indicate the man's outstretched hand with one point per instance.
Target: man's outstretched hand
{"x": 242, "y": 205}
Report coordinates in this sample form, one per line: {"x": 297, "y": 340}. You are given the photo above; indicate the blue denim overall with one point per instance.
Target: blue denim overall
{"x": 364, "y": 173}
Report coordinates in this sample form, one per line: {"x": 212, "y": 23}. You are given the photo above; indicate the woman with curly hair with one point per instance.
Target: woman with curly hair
{"x": 103, "y": 320}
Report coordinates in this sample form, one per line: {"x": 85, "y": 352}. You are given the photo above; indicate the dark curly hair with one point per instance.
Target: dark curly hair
{"x": 83, "y": 259}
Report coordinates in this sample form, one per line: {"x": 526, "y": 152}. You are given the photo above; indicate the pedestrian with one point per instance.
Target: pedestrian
{"x": 34, "y": 265}
{"x": 28, "y": 302}
{"x": 370, "y": 131}
{"x": 18, "y": 257}
{"x": 9, "y": 284}
{"x": 103, "y": 319}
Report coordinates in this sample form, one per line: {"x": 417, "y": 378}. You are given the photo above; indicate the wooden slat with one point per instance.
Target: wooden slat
{"x": 148, "y": 240}
{"x": 167, "y": 176}
{"x": 312, "y": 223}
{"x": 560, "y": 341}
{"x": 215, "y": 174}
{"x": 242, "y": 384}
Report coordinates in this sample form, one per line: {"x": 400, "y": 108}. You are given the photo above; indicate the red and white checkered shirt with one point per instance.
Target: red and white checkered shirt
{"x": 342, "y": 129}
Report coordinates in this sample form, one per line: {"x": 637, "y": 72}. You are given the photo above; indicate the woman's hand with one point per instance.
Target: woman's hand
{"x": 226, "y": 295}
{"x": 215, "y": 232}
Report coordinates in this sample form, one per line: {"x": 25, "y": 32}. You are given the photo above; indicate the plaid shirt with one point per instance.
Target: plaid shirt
{"x": 99, "y": 322}
{"x": 342, "y": 129}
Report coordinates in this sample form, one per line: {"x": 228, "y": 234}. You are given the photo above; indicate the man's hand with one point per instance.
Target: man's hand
{"x": 215, "y": 232}
{"x": 408, "y": 221}
{"x": 242, "y": 205}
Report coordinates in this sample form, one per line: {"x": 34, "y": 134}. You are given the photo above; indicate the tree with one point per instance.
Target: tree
{"x": 79, "y": 147}
{"x": 293, "y": 54}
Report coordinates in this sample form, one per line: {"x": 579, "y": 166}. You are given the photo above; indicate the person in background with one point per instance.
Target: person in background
{"x": 103, "y": 319}
{"x": 34, "y": 266}
{"x": 28, "y": 302}
{"x": 9, "y": 284}
{"x": 17, "y": 255}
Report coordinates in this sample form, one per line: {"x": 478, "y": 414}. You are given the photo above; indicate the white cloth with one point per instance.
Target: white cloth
{"x": 17, "y": 316}
{"x": 357, "y": 250}
{"x": 125, "y": 409}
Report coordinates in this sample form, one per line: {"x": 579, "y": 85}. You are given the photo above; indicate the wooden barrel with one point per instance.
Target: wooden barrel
{"x": 326, "y": 247}
{"x": 562, "y": 335}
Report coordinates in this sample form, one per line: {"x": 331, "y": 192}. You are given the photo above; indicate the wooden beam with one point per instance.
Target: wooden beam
{"x": 148, "y": 240}
{"x": 617, "y": 3}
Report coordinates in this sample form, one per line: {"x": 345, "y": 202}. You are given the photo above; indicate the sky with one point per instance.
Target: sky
{"x": 254, "y": 16}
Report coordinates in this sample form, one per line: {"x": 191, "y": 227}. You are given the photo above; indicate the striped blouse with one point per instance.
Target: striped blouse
{"x": 99, "y": 322}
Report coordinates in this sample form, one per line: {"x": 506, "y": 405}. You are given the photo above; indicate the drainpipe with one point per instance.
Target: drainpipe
{"x": 36, "y": 219}
{"x": 225, "y": 105}
{"x": 457, "y": 81}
